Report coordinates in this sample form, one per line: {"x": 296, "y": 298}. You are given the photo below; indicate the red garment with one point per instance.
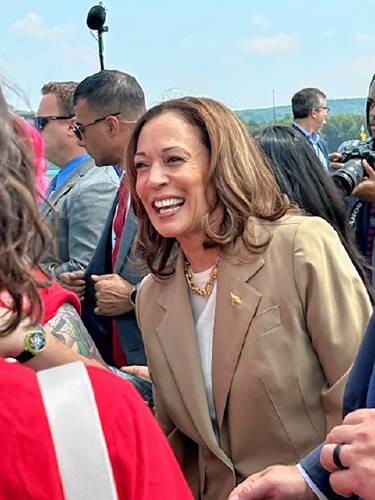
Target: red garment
{"x": 143, "y": 465}
{"x": 53, "y": 297}
{"x": 119, "y": 356}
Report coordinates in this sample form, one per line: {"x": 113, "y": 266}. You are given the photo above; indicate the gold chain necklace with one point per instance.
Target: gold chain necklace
{"x": 207, "y": 290}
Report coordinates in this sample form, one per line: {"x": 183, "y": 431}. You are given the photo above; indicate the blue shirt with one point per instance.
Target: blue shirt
{"x": 68, "y": 169}
{"x": 314, "y": 138}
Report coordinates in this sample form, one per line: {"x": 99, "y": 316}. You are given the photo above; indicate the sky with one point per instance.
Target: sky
{"x": 237, "y": 51}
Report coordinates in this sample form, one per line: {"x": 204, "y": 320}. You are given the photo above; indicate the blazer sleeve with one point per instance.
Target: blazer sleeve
{"x": 165, "y": 422}
{"x": 335, "y": 304}
{"x": 88, "y": 211}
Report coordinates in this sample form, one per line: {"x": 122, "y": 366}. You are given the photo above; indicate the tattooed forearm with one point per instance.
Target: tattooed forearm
{"x": 68, "y": 328}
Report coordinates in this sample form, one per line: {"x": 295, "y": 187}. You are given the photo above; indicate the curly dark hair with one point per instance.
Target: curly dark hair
{"x": 23, "y": 236}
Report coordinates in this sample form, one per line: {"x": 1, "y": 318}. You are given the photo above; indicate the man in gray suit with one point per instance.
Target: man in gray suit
{"x": 107, "y": 106}
{"x": 81, "y": 194}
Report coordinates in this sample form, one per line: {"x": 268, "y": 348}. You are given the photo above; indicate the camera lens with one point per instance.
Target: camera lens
{"x": 348, "y": 176}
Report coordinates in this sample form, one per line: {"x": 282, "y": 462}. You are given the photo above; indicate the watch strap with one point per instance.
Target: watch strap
{"x": 133, "y": 295}
{"x": 24, "y": 357}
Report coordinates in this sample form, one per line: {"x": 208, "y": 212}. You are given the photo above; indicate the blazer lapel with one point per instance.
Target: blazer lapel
{"x": 127, "y": 237}
{"x": 236, "y": 304}
{"x": 177, "y": 336}
{"x": 66, "y": 187}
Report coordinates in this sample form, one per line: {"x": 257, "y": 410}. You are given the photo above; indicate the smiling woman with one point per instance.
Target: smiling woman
{"x": 236, "y": 290}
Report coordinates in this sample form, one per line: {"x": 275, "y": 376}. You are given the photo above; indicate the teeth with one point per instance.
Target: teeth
{"x": 168, "y": 202}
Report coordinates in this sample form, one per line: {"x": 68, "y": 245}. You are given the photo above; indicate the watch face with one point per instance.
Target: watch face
{"x": 37, "y": 340}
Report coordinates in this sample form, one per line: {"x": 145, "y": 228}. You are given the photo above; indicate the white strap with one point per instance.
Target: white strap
{"x": 82, "y": 455}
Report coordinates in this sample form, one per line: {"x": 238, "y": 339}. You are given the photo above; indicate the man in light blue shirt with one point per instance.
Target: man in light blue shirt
{"x": 310, "y": 111}
{"x": 81, "y": 194}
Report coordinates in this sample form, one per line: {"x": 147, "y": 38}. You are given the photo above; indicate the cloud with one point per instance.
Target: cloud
{"x": 284, "y": 43}
{"x": 58, "y": 37}
{"x": 90, "y": 56}
{"x": 259, "y": 20}
{"x": 363, "y": 38}
{"x": 33, "y": 26}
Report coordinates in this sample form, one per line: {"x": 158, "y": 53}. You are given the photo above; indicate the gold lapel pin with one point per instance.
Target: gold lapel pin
{"x": 235, "y": 299}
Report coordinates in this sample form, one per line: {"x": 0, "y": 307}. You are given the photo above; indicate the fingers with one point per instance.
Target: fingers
{"x": 326, "y": 457}
{"x": 369, "y": 170}
{"x": 336, "y": 166}
{"x": 358, "y": 416}
{"x": 77, "y": 274}
{"x": 341, "y": 434}
{"x": 342, "y": 482}
{"x": 101, "y": 312}
{"x": 246, "y": 491}
{"x": 96, "y": 278}
{"x": 139, "y": 371}
{"x": 335, "y": 156}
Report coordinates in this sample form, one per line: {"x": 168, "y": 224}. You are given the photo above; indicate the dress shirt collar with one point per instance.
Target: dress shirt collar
{"x": 313, "y": 136}
{"x": 69, "y": 168}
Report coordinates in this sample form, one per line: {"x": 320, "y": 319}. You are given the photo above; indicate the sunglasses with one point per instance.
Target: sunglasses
{"x": 41, "y": 121}
{"x": 79, "y": 130}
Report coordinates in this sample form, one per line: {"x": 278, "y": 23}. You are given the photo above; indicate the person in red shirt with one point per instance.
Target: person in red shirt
{"x": 142, "y": 464}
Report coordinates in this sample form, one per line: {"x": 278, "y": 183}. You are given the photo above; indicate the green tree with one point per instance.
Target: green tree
{"x": 338, "y": 129}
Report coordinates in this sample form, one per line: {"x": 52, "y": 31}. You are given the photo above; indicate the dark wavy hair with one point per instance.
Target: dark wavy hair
{"x": 23, "y": 236}
{"x": 301, "y": 177}
{"x": 244, "y": 187}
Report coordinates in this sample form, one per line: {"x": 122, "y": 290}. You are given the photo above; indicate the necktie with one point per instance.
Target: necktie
{"x": 118, "y": 226}
{"x": 118, "y": 223}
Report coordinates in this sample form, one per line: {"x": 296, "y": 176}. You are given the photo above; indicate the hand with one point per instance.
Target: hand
{"x": 73, "y": 281}
{"x": 278, "y": 482}
{"x": 366, "y": 189}
{"x": 357, "y": 434}
{"x": 112, "y": 295}
{"x": 335, "y": 158}
{"x": 139, "y": 371}
{"x": 13, "y": 344}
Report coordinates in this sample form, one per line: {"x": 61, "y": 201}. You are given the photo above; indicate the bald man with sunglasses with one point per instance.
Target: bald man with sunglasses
{"x": 80, "y": 195}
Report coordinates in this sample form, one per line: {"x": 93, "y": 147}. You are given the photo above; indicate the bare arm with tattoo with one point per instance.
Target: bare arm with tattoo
{"x": 69, "y": 329}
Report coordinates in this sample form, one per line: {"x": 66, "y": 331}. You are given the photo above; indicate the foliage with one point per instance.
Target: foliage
{"x": 354, "y": 106}
{"x": 338, "y": 129}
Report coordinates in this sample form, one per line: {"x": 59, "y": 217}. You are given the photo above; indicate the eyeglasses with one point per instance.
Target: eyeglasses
{"x": 322, "y": 107}
{"x": 79, "y": 130}
{"x": 41, "y": 121}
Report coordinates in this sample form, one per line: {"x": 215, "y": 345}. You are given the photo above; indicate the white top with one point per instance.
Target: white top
{"x": 203, "y": 308}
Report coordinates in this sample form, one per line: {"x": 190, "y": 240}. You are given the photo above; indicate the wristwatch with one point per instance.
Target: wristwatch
{"x": 133, "y": 295}
{"x": 35, "y": 342}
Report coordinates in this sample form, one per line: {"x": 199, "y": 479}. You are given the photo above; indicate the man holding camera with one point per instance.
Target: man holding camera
{"x": 363, "y": 210}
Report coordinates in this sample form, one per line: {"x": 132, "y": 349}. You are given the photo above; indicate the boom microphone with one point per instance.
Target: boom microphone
{"x": 96, "y": 17}
{"x": 95, "y": 21}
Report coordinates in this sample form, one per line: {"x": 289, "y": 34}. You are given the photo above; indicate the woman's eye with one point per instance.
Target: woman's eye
{"x": 140, "y": 164}
{"x": 174, "y": 159}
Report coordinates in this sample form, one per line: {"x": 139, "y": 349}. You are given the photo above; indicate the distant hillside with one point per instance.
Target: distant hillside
{"x": 355, "y": 106}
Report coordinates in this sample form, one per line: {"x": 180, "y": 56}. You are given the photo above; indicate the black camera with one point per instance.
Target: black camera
{"x": 352, "y": 173}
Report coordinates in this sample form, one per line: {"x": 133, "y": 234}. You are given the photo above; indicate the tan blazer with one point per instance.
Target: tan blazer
{"x": 280, "y": 357}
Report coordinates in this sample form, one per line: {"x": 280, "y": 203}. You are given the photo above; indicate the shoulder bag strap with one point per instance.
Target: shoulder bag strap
{"x": 82, "y": 455}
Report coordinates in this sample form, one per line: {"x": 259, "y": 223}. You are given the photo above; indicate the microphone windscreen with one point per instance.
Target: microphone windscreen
{"x": 96, "y": 17}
